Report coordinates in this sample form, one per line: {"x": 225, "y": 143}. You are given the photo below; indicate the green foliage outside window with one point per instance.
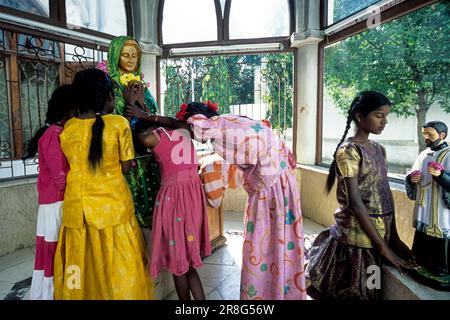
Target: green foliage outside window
{"x": 407, "y": 59}
{"x": 230, "y": 80}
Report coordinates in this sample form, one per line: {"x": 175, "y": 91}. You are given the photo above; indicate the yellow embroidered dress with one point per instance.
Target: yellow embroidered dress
{"x": 101, "y": 252}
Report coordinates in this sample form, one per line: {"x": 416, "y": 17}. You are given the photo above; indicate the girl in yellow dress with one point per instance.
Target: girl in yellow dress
{"x": 101, "y": 253}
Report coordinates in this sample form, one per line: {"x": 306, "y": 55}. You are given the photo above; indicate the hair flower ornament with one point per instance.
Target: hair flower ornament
{"x": 181, "y": 115}
{"x": 212, "y": 106}
{"x": 102, "y": 65}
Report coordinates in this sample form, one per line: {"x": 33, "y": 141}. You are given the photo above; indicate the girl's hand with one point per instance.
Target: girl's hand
{"x": 133, "y": 111}
{"x": 131, "y": 94}
{"x": 395, "y": 260}
{"x": 138, "y": 88}
{"x": 403, "y": 251}
{"x": 134, "y": 93}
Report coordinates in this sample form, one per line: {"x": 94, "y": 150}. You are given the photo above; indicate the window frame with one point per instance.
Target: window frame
{"x": 223, "y": 34}
{"x": 54, "y": 17}
{"x": 58, "y": 18}
{"x": 324, "y": 14}
{"x": 224, "y": 40}
{"x": 387, "y": 15}
{"x": 12, "y": 60}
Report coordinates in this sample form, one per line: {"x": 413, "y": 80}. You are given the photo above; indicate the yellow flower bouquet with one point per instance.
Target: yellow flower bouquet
{"x": 126, "y": 78}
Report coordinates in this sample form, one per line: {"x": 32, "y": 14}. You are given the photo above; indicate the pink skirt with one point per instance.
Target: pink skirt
{"x": 48, "y": 224}
{"x": 180, "y": 236}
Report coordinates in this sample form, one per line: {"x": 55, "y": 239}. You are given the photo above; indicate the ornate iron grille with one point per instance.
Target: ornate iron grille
{"x": 30, "y": 69}
{"x": 257, "y": 86}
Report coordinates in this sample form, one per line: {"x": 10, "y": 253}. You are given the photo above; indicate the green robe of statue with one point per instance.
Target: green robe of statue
{"x": 144, "y": 179}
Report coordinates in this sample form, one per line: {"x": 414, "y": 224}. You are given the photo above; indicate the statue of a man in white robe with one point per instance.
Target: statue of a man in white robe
{"x": 429, "y": 185}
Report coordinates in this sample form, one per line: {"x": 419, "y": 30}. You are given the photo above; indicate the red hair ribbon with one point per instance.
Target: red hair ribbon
{"x": 182, "y": 113}
{"x": 266, "y": 123}
{"x": 212, "y": 106}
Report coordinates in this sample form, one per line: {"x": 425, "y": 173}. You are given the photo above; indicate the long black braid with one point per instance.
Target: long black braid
{"x": 93, "y": 87}
{"x": 96, "y": 147}
{"x": 60, "y": 105}
{"x": 364, "y": 103}
{"x": 332, "y": 174}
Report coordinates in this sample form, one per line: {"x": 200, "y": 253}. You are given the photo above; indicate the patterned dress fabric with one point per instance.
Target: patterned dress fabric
{"x": 53, "y": 169}
{"x": 180, "y": 235}
{"x": 273, "y": 250}
{"x": 341, "y": 257}
{"x": 101, "y": 252}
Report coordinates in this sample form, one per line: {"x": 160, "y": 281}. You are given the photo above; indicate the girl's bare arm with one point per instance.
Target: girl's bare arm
{"x": 126, "y": 166}
{"x": 168, "y": 122}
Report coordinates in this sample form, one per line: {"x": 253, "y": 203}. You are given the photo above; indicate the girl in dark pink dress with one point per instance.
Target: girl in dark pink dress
{"x": 180, "y": 235}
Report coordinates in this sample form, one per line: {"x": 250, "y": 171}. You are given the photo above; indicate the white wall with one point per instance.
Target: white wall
{"x": 399, "y": 137}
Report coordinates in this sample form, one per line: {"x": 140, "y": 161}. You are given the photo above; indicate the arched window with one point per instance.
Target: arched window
{"x": 106, "y": 16}
{"x": 259, "y": 19}
{"x": 189, "y": 21}
{"x": 222, "y": 22}
{"x": 101, "y": 18}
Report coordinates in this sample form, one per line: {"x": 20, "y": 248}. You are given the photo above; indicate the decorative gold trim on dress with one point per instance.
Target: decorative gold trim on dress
{"x": 347, "y": 161}
{"x": 357, "y": 237}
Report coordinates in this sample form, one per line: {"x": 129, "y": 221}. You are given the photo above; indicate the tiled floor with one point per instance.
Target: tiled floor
{"x": 220, "y": 274}
{"x": 14, "y": 268}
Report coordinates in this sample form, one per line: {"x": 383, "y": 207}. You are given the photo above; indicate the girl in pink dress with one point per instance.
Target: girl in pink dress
{"x": 180, "y": 235}
{"x": 51, "y": 183}
{"x": 273, "y": 251}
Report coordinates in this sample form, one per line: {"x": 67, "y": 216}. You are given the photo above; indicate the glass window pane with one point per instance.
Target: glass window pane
{"x": 189, "y": 21}
{"x": 37, "y": 83}
{"x": 5, "y": 132}
{"x": 257, "y": 86}
{"x": 38, "y": 47}
{"x": 3, "y": 43}
{"x": 106, "y": 16}
{"x": 79, "y": 58}
{"x": 406, "y": 59}
{"x": 222, "y": 6}
{"x": 341, "y": 9}
{"x": 38, "y": 7}
{"x": 259, "y": 19}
